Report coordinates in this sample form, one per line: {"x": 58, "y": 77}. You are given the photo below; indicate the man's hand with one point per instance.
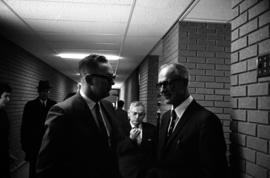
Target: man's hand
{"x": 133, "y": 134}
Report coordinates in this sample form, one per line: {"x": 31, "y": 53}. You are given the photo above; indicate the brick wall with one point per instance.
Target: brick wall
{"x": 23, "y": 71}
{"x": 204, "y": 48}
{"x": 148, "y": 92}
{"x": 250, "y": 94}
{"x": 131, "y": 89}
{"x": 170, "y": 53}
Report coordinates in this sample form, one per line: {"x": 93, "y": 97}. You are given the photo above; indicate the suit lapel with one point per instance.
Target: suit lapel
{"x": 145, "y": 132}
{"x": 84, "y": 112}
{"x": 163, "y": 132}
{"x": 127, "y": 130}
{"x": 110, "y": 114}
{"x": 146, "y": 135}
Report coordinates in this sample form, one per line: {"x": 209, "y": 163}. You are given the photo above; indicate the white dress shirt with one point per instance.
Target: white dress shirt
{"x": 180, "y": 109}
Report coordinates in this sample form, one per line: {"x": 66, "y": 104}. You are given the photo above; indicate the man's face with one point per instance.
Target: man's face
{"x": 136, "y": 115}
{"x": 171, "y": 88}
{"x": 43, "y": 94}
{"x": 102, "y": 81}
{"x": 4, "y": 99}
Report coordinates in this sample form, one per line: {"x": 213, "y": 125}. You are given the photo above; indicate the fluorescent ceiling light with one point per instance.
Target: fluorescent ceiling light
{"x": 83, "y": 55}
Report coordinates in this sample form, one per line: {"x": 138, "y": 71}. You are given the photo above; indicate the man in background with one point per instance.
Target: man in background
{"x": 137, "y": 154}
{"x": 33, "y": 120}
{"x": 5, "y": 92}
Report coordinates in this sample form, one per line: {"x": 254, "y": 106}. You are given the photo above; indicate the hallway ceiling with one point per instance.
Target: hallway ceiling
{"x": 126, "y": 28}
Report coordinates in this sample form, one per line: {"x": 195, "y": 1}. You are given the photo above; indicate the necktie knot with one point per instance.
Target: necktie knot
{"x": 43, "y": 103}
{"x": 173, "y": 115}
{"x": 97, "y": 107}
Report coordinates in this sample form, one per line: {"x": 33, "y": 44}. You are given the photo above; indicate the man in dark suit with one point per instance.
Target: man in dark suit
{"x": 81, "y": 132}
{"x": 121, "y": 114}
{"x": 5, "y": 92}
{"x": 33, "y": 120}
{"x": 191, "y": 142}
{"x": 138, "y": 152}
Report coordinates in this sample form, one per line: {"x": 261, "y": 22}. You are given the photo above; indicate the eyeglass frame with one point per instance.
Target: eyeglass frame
{"x": 167, "y": 83}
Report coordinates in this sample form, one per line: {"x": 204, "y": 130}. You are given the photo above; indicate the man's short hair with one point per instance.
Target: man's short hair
{"x": 135, "y": 104}
{"x": 4, "y": 87}
{"x": 91, "y": 64}
{"x": 178, "y": 71}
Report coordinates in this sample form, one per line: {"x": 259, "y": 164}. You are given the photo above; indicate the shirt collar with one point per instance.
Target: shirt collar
{"x": 43, "y": 101}
{"x": 183, "y": 106}
{"x": 132, "y": 125}
{"x": 89, "y": 102}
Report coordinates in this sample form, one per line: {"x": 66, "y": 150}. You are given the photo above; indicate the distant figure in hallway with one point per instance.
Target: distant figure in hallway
{"x": 82, "y": 132}
{"x": 33, "y": 120}
{"x": 137, "y": 154}
{"x": 122, "y": 115}
{"x": 191, "y": 143}
{"x": 5, "y": 92}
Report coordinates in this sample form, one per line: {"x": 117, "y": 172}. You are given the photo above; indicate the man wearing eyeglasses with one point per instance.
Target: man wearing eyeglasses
{"x": 81, "y": 132}
{"x": 191, "y": 142}
{"x": 138, "y": 152}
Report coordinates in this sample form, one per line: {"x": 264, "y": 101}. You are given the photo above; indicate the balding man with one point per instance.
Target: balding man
{"x": 191, "y": 142}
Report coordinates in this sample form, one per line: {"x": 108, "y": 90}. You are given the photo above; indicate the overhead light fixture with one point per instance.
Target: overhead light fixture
{"x": 83, "y": 55}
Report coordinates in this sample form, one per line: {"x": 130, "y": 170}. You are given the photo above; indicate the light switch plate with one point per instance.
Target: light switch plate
{"x": 264, "y": 66}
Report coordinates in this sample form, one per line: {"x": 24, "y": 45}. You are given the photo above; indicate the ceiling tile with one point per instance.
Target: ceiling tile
{"x": 59, "y": 10}
{"x": 73, "y": 27}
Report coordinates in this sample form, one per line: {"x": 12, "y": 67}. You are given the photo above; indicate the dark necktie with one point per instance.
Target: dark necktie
{"x": 173, "y": 119}
{"x": 102, "y": 127}
{"x": 42, "y": 103}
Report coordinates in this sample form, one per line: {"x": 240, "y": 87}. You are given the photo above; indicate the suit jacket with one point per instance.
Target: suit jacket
{"x": 73, "y": 147}
{"x": 196, "y": 148}
{"x": 122, "y": 117}
{"x": 4, "y": 148}
{"x": 134, "y": 159}
{"x": 32, "y": 128}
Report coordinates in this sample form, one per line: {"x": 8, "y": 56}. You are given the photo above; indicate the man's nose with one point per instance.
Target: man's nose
{"x": 162, "y": 89}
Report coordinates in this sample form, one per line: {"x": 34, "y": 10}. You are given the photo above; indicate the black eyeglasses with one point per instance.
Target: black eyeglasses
{"x": 167, "y": 83}
{"x": 107, "y": 77}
